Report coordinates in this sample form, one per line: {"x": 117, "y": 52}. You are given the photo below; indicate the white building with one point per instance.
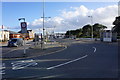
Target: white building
{"x": 31, "y": 34}
{"x": 108, "y": 36}
{"x": 4, "y": 35}
{"x": 59, "y": 35}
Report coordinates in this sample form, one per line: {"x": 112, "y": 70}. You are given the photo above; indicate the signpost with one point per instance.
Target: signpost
{"x": 23, "y": 31}
{"x": 23, "y": 27}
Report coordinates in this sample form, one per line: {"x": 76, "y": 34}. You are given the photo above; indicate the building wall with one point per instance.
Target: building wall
{"x": 15, "y": 36}
{"x": 59, "y": 35}
{"x": 31, "y": 34}
{"x": 112, "y": 37}
{"x": 4, "y": 35}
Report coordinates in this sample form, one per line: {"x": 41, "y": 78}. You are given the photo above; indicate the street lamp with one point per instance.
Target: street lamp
{"x": 22, "y": 19}
{"x": 44, "y": 26}
{"x": 44, "y": 21}
{"x": 91, "y": 17}
{"x": 24, "y": 37}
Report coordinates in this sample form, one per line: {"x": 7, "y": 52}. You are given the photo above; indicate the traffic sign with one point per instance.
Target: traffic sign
{"x": 23, "y": 27}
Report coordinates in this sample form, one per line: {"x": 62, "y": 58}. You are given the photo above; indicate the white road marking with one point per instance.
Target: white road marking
{"x": 94, "y": 49}
{"x": 23, "y": 64}
{"x": 67, "y": 62}
{"x": 2, "y": 71}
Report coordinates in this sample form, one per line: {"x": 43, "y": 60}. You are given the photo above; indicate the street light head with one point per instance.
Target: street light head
{"x": 21, "y": 19}
{"x": 45, "y": 17}
{"x": 90, "y": 16}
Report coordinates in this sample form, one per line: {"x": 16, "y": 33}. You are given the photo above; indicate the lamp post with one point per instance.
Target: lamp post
{"x": 44, "y": 22}
{"x": 91, "y": 18}
{"x": 24, "y": 38}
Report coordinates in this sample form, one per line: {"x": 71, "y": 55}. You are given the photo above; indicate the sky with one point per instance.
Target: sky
{"x": 64, "y": 15}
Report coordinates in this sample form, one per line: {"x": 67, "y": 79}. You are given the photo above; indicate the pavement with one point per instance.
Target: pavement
{"x": 32, "y": 50}
{"x": 3, "y": 43}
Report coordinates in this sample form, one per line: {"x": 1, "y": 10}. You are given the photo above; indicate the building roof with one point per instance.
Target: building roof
{"x": 12, "y": 32}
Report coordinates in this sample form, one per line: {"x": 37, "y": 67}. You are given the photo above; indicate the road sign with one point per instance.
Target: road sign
{"x": 23, "y": 27}
{"x": 24, "y": 31}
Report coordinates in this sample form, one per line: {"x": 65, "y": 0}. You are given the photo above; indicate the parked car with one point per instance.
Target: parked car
{"x": 15, "y": 42}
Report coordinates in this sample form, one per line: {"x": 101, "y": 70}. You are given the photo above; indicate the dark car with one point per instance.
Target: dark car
{"x": 15, "y": 42}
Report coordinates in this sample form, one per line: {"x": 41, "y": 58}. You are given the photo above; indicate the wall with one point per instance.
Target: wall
{"x": 4, "y": 35}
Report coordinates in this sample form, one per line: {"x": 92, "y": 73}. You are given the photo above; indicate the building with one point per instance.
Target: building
{"x": 4, "y": 35}
{"x": 15, "y": 34}
{"x": 59, "y": 35}
{"x": 29, "y": 35}
{"x": 108, "y": 36}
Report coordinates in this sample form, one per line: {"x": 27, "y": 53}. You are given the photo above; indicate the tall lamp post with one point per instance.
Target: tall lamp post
{"x": 44, "y": 22}
{"x": 91, "y": 18}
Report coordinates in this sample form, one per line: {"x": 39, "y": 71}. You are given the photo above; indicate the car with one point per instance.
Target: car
{"x": 15, "y": 42}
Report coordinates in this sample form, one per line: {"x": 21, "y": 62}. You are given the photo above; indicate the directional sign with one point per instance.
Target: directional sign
{"x": 23, "y": 27}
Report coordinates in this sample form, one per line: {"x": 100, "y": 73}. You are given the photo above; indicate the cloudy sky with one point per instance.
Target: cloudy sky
{"x": 64, "y": 15}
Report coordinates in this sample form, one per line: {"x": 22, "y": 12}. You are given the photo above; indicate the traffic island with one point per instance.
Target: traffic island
{"x": 30, "y": 53}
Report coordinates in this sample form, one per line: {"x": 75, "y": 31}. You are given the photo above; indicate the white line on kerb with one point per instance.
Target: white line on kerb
{"x": 94, "y": 49}
{"x": 67, "y": 62}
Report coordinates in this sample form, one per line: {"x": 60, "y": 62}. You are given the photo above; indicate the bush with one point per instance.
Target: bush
{"x": 85, "y": 37}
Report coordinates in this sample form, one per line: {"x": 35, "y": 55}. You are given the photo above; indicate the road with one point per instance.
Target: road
{"x": 5, "y": 49}
{"x": 79, "y": 60}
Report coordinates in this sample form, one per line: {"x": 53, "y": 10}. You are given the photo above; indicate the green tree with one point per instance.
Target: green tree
{"x": 86, "y": 30}
{"x": 116, "y": 28}
{"x": 76, "y": 33}
{"x": 97, "y": 28}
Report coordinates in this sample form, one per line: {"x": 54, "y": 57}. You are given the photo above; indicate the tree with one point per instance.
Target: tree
{"x": 86, "y": 30}
{"x": 76, "y": 33}
{"x": 97, "y": 28}
{"x": 116, "y": 28}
